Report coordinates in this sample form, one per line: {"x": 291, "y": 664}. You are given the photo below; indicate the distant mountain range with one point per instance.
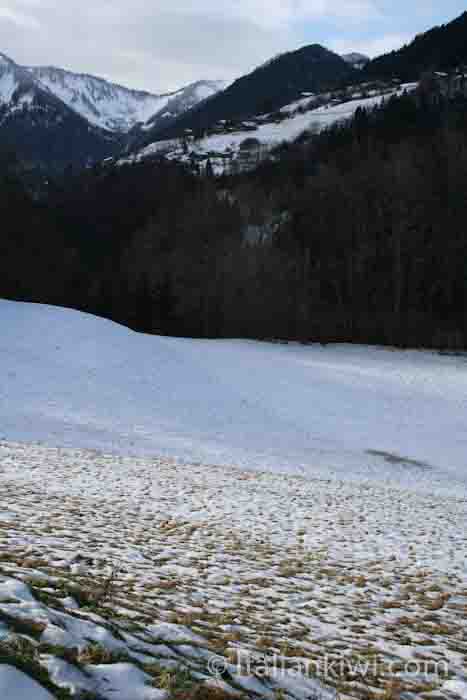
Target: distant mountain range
{"x": 357, "y": 60}
{"x": 41, "y": 128}
{"x": 53, "y": 118}
{"x": 117, "y": 108}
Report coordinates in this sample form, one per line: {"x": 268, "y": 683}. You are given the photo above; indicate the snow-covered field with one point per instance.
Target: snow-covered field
{"x": 196, "y": 505}
{"x": 71, "y": 379}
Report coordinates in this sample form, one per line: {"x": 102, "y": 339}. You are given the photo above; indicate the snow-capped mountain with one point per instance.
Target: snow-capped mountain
{"x": 357, "y": 60}
{"x": 43, "y": 129}
{"x": 114, "y": 107}
{"x": 17, "y": 88}
{"x": 53, "y": 117}
{"x": 185, "y": 99}
{"x": 102, "y": 103}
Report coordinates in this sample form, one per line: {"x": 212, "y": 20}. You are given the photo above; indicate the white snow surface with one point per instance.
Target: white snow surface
{"x": 15, "y": 685}
{"x": 103, "y": 104}
{"x": 115, "y": 107}
{"x": 347, "y": 412}
{"x": 214, "y": 567}
{"x": 8, "y": 86}
{"x": 356, "y": 551}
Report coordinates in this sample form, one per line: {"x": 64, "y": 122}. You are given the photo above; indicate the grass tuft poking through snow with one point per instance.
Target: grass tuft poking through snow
{"x": 330, "y": 563}
{"x": 147, "y": 579}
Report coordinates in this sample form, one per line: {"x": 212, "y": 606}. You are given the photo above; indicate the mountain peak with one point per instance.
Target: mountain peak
{"x": 278, "y": 82}
{"x": 357, "y": 60}
{"x": 103, "y": 104}
{"x": 4, "y": 59}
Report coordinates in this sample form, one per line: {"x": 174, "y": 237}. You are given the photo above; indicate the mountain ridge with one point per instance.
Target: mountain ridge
{"x": 443, "y": 47}
{"x": 356, "y": 59}
{"x": 41, "y": 128}
{"x": 110, "y": 105}
{"x": 267, "y": 88}
{"x": 104, "y": 118}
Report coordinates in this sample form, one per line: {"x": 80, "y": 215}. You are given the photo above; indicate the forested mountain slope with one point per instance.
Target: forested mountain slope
{"x": 268, "y": 88}
{"x": 356, "y": 235}
{"x": 442, "y": 48}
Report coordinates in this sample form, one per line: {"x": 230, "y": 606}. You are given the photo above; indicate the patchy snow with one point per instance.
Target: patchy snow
{"x": 264, "y": 578}
{"x": 353, "y": 412}
{"x": 103, "y": 104}
{"x": 342, "y": 564}
{"x": 204, "y": 90}
{"x": 357, "y": 60}
{"x": 271, "y": 133}
{"x": 8, "y": 86}
{"x": 303, "y": 103}
{"x": 123, "y": 681}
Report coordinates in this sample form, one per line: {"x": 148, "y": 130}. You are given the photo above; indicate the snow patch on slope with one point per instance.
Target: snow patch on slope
{"x": 197, "y": 554}
{"x": 114, "y": 107}
{"x": 16, "y": 685}
{"x": 300, "y": 116}
{"x": 8, "y": 87}
{"x": 72, "y": 379}
{"x": 104, "y": 104}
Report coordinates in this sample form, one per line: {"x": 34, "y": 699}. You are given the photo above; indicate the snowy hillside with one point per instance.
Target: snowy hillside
{"x": 104, "y": 104}
{"x": 341, "y": 572}
{"x": 357, "y": 60}
{"x": 75, "y": 380}
{"x": 42, "y": 129}
{"x": 8, "y": 81}
{"x": 142, "y": 579}
{"x": 223, "y": 146}
{"x": 101, "y": 103}
{"x": 17, "y": 89}
{"x": 115, "y": 107}
{"x": 185, "y": 99}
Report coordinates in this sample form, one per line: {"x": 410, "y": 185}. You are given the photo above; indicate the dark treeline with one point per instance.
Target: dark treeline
{"x": 356, "y": 235}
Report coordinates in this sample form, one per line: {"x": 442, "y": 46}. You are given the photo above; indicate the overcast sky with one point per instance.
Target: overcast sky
{"x": 164, "y": 44}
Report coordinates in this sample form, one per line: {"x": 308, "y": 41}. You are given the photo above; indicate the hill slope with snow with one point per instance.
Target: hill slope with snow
{"x": 115, "y": 107}
{"x": 102, "y": 103}
{"x": 71, "y": 379}
{"x": 152, "y": 578}
{"x": 223, "y": 146}
{"x": 42, "y": 129}
{"x": 266, "y": 89}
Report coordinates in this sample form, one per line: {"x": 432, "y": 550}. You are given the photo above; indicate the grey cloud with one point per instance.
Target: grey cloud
{"x": 167, "y": 43}
{"x": 156, "y": 50}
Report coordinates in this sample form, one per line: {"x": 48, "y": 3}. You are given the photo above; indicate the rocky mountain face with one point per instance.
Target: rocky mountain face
{"x": 53, "y": 118}
{"x": 357, "y": 60}
{"x": 115, "y": 107}
{"x": 41, "y": 128}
